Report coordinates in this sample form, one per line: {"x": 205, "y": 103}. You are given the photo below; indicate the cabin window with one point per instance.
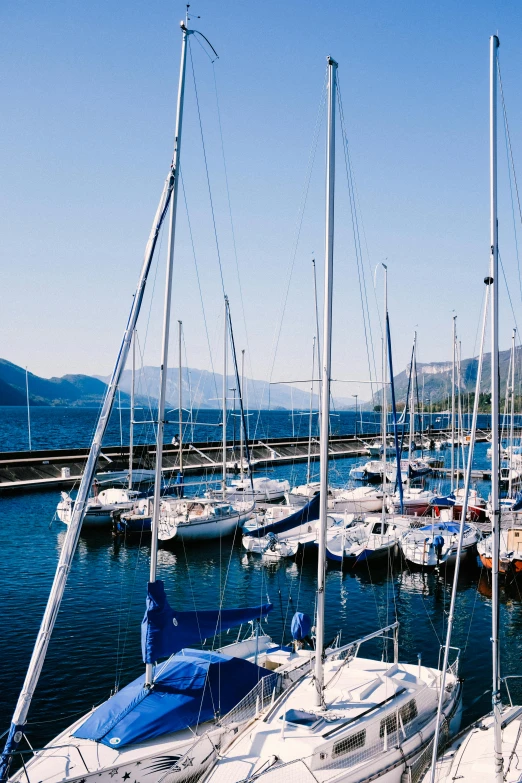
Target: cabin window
{"x": 349, "y": 744}
{"x": 516, "y": 535}
{"x": 380, "y": 528}
{"x": 408, "y": 713}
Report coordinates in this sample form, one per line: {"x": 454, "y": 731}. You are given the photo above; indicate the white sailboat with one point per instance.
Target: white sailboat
{"x": 217, "y": 514}
{"x": 363, "y": 721}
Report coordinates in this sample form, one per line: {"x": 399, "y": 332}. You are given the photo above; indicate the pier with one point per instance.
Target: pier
{"x": 23, "y": 471}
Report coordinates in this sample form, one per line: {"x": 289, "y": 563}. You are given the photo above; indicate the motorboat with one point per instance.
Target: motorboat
{"x": 436, "y": 544}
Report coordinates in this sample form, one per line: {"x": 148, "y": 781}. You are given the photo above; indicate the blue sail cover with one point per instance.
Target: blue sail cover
{"x": 301, "y": 626}
{"x": 190, "y": 689}
{"x": 308, "y": 513}
{"x": 165, "y": 631}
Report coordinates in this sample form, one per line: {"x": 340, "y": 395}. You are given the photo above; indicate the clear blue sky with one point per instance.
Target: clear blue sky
{"x": 88, "y": 99}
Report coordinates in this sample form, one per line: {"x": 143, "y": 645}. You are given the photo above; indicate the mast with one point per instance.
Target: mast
{"x": 180, "y": 399}
{"x": 166, "y": 327}
{"x": 385, "y": 401}
{"x": 467, "y": 484}
{"x": 453, "y": 406}
{"x": 225, "y": 346}
{"x": 309, "y": 460}
{"x": 28, "y": 408}
{"x": 242, "y": 429}
{"x": 326, "y": 376}
{"x": 512, "y": 422}
{"x": 495, "y": 510}
{"x": 412, "y": 402}
{"x": 131, "y": 424}
{"x": 318, "y": 342}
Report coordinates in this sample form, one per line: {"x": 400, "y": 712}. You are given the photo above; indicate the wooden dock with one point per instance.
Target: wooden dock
{"x": 22, "y": 471}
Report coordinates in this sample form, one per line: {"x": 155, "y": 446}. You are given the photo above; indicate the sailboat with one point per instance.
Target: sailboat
{"x": 102, "y": 504}
{"x": 346, "y": 718}
{"x": 488, "y": 749}
{"x": 214, "y": 515}
{"x": 173, "y": 718}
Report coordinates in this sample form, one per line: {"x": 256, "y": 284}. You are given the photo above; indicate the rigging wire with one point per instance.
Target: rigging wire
{"x": 232, "y": 229}
{"x": 207, "y": 172}
{"x": 291, "y": 265}
{"x": 511, "y": 168}
{"x": 357, "y": 246}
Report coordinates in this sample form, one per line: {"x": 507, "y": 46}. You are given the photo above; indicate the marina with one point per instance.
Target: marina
{"x": 33, "y": 470}
{"x": 212, "y": 578}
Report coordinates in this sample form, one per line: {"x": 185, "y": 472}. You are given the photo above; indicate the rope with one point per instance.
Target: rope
{"x": 206, "y": 171}
{"x": 357, "y": 245}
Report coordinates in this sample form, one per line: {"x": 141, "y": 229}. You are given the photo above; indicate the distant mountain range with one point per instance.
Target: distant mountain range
{"x": 436, "y": 377}
{"x": 200, "y": 386}
{"x": 204, "y": 389}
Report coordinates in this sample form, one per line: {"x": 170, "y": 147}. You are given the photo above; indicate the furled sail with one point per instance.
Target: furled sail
{"x": 165, "y": 631}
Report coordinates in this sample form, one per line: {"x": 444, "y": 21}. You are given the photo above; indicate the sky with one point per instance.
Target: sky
{"x": 88, "y": 99}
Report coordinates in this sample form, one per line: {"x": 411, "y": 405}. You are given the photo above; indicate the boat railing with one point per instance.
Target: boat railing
{"x": 262, "y": 695}
{"x": 505, "y": 681}
{"x": 370, "y": 740}
{"x": 351, "y": 650}
{"x": 453, "y": 667}
{"x": 23, "y": 773}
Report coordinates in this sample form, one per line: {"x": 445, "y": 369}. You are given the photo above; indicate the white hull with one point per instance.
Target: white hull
{"x": 100, "y": 509}
{"x": 470, "y": 757}
{"x": 200, "y": 520}
{"x": 362, "y": 741}
{"x": 419, "y": 547}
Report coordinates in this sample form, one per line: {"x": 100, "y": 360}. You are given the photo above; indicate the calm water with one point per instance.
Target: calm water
{"x": 96, "y": 643}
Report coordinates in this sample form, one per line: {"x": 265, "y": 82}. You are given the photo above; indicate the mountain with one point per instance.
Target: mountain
{"x": 204, "y": 389}
{"x": 71, "y": 390}
{"x": 436, "y": 377}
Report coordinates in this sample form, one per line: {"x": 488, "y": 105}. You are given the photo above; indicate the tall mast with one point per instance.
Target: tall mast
{"x": 309, "y": 460}
{"x": 28, "y": 408}
{"x": 166, "y": 325}
{"x": 412, "y": 402}
{"x": 225, "y": 351}
{"x": 495, "y": 510}
{"x": 242, "y": 433}
{"x": 318, "y": 341}
{"x": 385, "y": 400}
{"x": 131, "y": 423}
{"x": 467, "y": 484}
{"x": 326, "y": 376}
{"x": 512, "y": 422}
{"x": 453, "y": 406}
{"x": 180, "y": 399}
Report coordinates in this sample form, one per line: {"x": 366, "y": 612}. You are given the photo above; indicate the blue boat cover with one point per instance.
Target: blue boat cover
{"x": 446, "y": 501}
{"x": 165, "y": 631}
{"x": 193, "y": 687}
{"x": 517, "y": 505}
{"x": 449, "y": 527}
{"x": 308, "y": 513}
{"x": 301, "y": 626}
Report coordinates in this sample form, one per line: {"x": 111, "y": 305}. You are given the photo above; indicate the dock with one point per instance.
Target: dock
{"x": 23, "y": 471}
